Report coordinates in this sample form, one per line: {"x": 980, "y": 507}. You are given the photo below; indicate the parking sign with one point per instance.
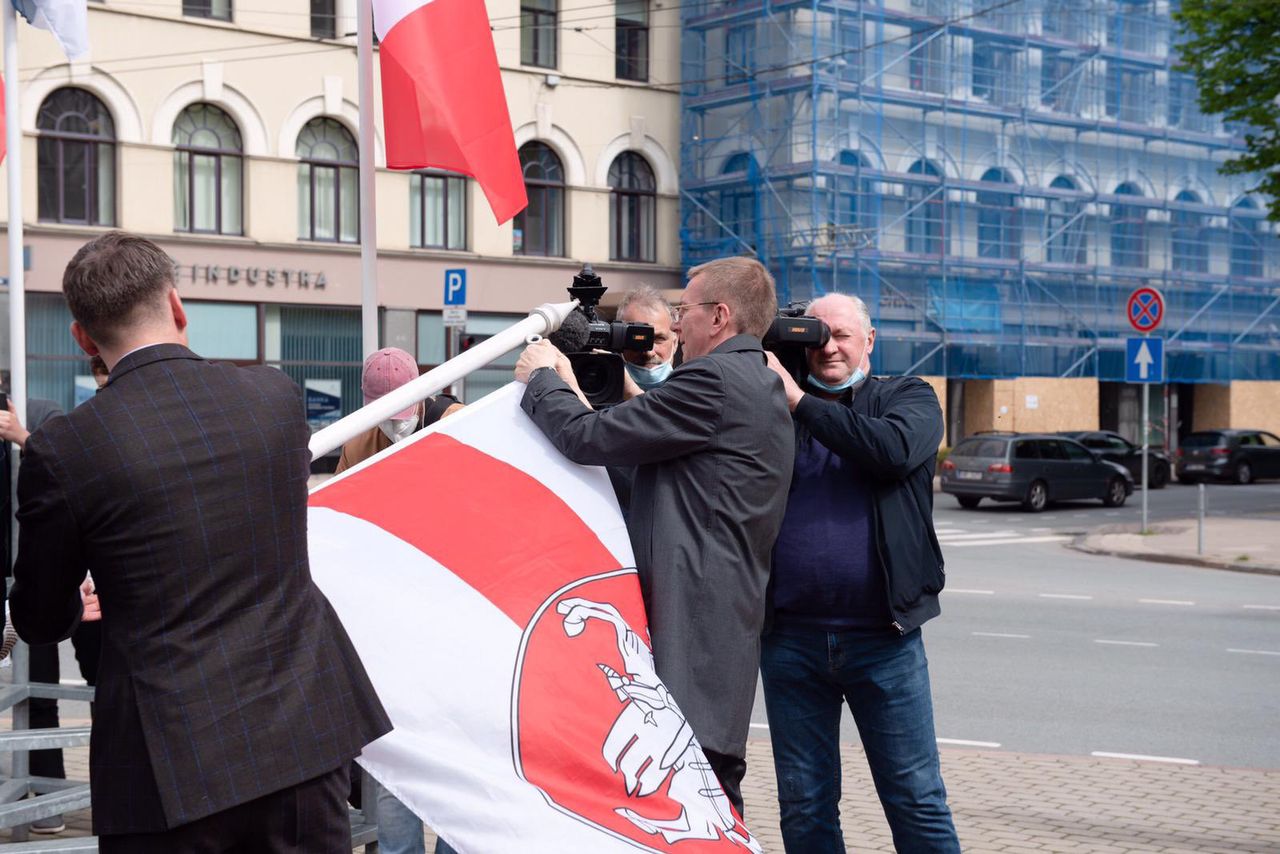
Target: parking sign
{"x": 455, "y": 287}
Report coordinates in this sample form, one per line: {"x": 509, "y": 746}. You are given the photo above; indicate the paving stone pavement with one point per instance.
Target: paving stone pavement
{"x": 1011, "y": 802}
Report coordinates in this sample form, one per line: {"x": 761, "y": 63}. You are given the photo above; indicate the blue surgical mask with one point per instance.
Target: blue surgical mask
{"x": 649, "y": 378}
{"x": 854, "y": 379}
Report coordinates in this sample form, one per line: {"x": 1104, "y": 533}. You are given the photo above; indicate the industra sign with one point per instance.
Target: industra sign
{"x": 233, "y": 275}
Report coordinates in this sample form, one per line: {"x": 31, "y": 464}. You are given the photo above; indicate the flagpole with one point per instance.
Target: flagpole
{"x": 543, "y": 320}
{"x": 13, "y": 142}
{"x": 368, "y": 174}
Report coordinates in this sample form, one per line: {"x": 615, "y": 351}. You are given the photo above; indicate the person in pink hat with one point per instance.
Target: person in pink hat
{"x": 385, "y": 371}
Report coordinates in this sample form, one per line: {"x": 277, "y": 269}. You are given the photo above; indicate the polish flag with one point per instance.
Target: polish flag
{"x": 487, "y": 584}
{"x": 442, "y": 98}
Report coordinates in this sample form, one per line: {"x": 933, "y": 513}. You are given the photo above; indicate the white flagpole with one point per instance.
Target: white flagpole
{"x": 13, "y": 142}
{"x": 543, "y": 320}
{"x": 368, "y": 222}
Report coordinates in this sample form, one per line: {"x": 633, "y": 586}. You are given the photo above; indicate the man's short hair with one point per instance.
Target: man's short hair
{"x": 644, "y": 296}
{"x": 116, "y": 281}
{"x": 746, "y": 287}
{"x": 864, "y": 313}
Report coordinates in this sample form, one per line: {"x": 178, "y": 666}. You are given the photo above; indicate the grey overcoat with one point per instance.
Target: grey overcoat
{"x": 714, "y": 447}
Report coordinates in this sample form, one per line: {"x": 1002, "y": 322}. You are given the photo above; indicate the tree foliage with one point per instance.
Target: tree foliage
{"x": 1233, "y": 49}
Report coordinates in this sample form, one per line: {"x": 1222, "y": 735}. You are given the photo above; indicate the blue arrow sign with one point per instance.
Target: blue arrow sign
{"x": 1144, "y": 360}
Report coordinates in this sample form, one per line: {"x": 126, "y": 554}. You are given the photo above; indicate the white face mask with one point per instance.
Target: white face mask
{"x": 398, "y": 429}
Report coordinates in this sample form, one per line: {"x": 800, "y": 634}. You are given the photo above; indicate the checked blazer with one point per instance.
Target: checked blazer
{"x": 225, "y": 673}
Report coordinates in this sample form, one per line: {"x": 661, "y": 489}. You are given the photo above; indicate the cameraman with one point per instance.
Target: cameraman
{"x": 856, "y": 571}
{"x": 713, "y": 446}
{"x": 650, "y": 368}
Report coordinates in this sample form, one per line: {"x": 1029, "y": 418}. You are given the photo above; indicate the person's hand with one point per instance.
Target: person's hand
{"x": 11, "y": 428}
{"x": 540, "y": 355}
{"x": 794, "y": 392}
{"x": 629, "y": 387}
{"x": 89, "y": 596}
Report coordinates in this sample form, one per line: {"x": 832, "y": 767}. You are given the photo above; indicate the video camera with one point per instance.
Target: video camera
{"x": 599, "y": 375}
{"x": 790, "y": 334}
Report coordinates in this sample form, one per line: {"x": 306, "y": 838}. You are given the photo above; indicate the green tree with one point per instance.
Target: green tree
{"x": 1233, "y": 49}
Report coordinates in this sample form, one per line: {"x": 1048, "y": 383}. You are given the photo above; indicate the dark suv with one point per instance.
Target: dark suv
{"x": 1033, "y": 469}
{"x": 1241, "y": 456}
{"x": 1118, "y": 449}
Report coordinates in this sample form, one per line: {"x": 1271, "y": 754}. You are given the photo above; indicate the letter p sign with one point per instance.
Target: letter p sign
{"x": 455, "y": 287}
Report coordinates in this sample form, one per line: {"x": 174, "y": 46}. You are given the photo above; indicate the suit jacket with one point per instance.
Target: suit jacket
{"x": 225, "y": 673}
{"x": 714, "y": 448}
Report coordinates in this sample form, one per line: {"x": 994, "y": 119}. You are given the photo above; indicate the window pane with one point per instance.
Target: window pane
{"x": 433, "y": 192}
{"x": 325, "y": 204}
{"x": 106, "y": 189}
{"x": 350, "y": 199}
{"x": 555, "y": 221}
{"x": 181, "y": 220}
{"x": 47, "y": 177}
{"x": 431, "y": 336}
{"x": 304, "y": 201}
{"x": 415, "y": 211}
{"x": 204, "y": 179}
{"x": 232, "y": 187}
{"x": 223, "y": 330}
{"x": 457, "y": 213}
{"x": 75, "y": 181}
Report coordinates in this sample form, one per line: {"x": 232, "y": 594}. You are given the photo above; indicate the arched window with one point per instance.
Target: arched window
{"x": 926, "y": 211}
{"x": 328, "y": 182}
{"x": 737, "y": 204}
{"x": 539, "y": 228}
{"x": 1189, "y": 248}
{"x": 852, "y": 206}
{"x": 1128, "y": 230}
{"x": 999, "y": 220}
{"x": 208, "y": 174}
{"x": 1246, "y": 245}
{"x": 632, "y": 208}
{"x": 1064, "y": 225}
{"x": 76, "y": 159}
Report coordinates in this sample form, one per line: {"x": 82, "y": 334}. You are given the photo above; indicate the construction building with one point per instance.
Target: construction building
{"x": 994, "y": 178}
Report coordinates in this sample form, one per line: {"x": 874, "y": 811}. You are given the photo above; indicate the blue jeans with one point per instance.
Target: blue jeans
{"x": 808, "y": 674}
{"x": 399, "y": 828}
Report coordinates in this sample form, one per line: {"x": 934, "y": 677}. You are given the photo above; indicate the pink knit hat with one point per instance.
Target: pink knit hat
{"x": 387, "y": 370}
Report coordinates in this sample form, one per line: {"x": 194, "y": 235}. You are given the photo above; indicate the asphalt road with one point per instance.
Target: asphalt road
{"x": 1046, "y": 650}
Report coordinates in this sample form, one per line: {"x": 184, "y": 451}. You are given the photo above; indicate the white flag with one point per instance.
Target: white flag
{"x": 487, "y": 584}
{"x": 68, "y": 20}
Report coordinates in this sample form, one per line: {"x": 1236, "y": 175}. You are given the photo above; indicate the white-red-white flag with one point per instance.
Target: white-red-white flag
{"x": 443, "y": 103}
{"x": 487, "y": 584}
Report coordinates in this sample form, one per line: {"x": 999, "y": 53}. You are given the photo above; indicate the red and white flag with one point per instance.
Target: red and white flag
{"x": 488, "y": 585}
{"x": 442, "y": 99}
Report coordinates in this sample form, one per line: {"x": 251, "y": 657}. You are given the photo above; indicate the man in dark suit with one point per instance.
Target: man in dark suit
{"x": 713, "y": 446}
{"x": 229, "y": 697}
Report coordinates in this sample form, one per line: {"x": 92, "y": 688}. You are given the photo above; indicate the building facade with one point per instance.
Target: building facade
{"x": 229, "y": 135}
{"x": 994, "y": 179}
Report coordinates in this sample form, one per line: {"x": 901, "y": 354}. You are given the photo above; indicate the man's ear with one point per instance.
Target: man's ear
{"x": 82, "y": 338}
{"x": 179, "y": 313}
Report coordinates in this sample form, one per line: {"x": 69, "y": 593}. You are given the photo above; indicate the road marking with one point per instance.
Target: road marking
{"x": 1004, "y": 541}
{"x": 1165, "y": 602}
{"x": 964, "y": 742}
{"x": 947, "y": 536}
{"x": 1063, "y": 596}
{"x": 1041, "y": 530}
{"x": 1262, "y": 607}
{"x": 998, "y": 635}
{"x": 759, "y": 726}
{"x": 1143, "y": 758}
{"x": 1114, "y": 513}
{"x": 1254, "y": 651}
{"x": 962, "y": 590}
{"x": 1126, "y": 643}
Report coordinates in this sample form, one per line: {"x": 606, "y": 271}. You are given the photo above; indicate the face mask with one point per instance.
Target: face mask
{"x": 648, "y": 378}
{"x": 398, "y": 429}
{"x": 854, "y": 379}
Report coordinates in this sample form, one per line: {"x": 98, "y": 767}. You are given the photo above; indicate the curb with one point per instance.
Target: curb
{"x": 1079, "y": 544}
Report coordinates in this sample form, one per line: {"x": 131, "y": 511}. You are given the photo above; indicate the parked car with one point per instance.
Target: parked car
{"x": 1118, "y": 449}
{"x": 1033, "y": 469}
{"x": 1242, "y": 456}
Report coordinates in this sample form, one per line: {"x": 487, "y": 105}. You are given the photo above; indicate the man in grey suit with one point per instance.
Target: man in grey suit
{"x": 713, "y": 449}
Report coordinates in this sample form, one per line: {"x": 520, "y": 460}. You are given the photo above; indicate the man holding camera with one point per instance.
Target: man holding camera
{"x": 650, "y": 368}
{"x": 713, "y": 449}
{"x": 857, "y": 569}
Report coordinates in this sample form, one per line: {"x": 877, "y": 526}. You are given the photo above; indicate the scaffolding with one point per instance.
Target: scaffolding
{"x": 993, "y": 177}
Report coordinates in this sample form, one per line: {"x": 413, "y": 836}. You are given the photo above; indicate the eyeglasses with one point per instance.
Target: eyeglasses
{"x": 677, "y": 311}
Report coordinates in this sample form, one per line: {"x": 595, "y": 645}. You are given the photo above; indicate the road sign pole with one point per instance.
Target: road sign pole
{"x": 1146, "y": 432}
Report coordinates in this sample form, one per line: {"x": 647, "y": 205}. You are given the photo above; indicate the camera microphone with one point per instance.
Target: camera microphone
{"x": 573, "y": 334}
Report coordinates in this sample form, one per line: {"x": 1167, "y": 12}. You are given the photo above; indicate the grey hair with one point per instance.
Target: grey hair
{"x": 645, "y": 296}
{"x": 864, "y": 314}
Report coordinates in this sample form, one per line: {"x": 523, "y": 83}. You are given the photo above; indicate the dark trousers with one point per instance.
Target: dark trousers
{"x": 310, "y": 817}
{"x": 87, "y": 641}
{"x": 729, "y": 770}
{"x": 808, "y": 675}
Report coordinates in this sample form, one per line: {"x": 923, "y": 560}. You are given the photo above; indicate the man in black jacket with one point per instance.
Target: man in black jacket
{"x": 856, "y": 570}
{"x": 229, "y": 698}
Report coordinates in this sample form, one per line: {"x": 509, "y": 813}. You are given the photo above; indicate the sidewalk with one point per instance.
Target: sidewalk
{"x": 1010, "y": 802}
{"x": 1244, "y": 545}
